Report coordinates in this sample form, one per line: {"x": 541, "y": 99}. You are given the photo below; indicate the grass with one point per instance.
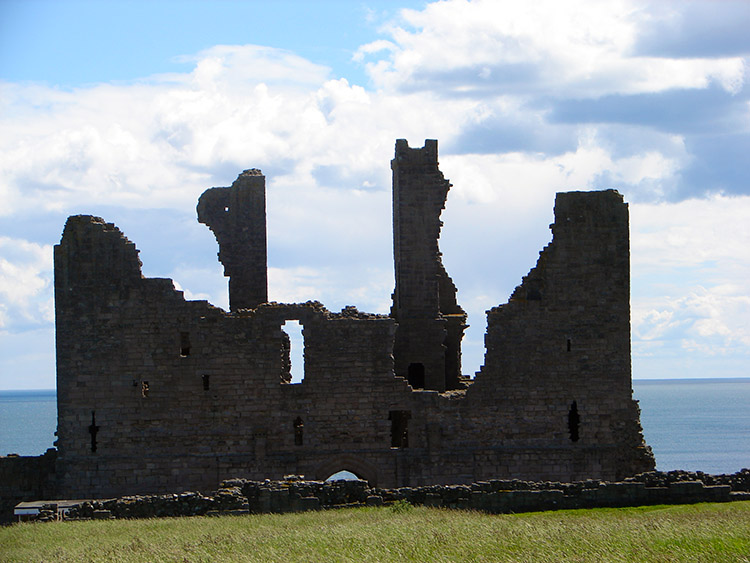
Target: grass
{"x": 702, "y": 532}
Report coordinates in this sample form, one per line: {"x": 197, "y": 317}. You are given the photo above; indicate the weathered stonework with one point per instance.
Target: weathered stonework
{"x": 427, "y": 350}
{"x": 25, "y": 478}
{"x": 157, "y": 394}
{"x": 242, "y": 496}
{"x": 237, "y": 216}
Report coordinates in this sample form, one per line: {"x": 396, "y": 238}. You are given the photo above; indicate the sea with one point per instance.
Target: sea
{"x": 691, "y": 424}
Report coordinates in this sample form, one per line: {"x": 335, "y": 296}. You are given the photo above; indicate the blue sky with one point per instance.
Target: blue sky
{"x": 70, "y": 44}
{"x": 130, "y": 110}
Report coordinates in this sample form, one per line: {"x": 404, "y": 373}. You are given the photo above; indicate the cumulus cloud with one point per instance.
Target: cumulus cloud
{"x": 691, "y": 278}
{"x": 690, "y": 28}
{"x": 25, "y": 284}
{"x": 526, "y": 99}
{"x": 580, "y": 48}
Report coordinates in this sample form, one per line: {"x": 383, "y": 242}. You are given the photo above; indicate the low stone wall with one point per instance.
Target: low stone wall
{"x": 739, "y": 482}
{"x": 25, "y": 478}
{"x": 240, "y": 496}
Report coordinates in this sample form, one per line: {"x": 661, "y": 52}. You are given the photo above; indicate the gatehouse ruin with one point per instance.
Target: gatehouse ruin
{"x": 160, "y": 394}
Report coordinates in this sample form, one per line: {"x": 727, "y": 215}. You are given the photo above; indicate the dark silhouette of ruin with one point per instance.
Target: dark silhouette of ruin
{"x": 158, "y": 394}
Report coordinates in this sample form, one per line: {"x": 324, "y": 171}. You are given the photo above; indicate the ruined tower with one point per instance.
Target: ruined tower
{"x": 237, "y": 217}
{"x": 427, "y": 350}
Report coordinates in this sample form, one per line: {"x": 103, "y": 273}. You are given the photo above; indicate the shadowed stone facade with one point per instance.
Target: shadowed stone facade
{"x": 157, "y": 394}
{"x": 427, "y": 349}
{"x": 237, "y": 216}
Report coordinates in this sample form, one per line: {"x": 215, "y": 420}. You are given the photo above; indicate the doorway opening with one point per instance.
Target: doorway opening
{"x": 343, "y": 475}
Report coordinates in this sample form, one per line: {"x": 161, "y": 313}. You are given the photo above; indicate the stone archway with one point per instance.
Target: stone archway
{"x": 356, "y": 465}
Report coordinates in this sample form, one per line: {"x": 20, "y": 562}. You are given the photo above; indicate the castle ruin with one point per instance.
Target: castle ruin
{"x": 159, "y": 394}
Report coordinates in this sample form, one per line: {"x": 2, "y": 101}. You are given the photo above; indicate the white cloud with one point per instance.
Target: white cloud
{"x": 454, "y": 71}
{"x": 366, "y": 288}
{"x": 579, "y": 48}
{"x": 25, "y": 284}
{"x": 372, "y": 48}
{"x": 691, "y": 277}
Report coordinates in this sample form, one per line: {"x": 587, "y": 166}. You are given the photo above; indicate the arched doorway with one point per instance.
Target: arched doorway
{"x": 351, "y": 464}
{"x": 343, "y": 475}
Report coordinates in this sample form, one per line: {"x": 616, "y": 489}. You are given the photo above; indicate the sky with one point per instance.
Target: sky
{"x": 129, "y": 110}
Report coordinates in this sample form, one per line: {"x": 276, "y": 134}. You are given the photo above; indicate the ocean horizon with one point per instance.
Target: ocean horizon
{"x": 691, "y": 424}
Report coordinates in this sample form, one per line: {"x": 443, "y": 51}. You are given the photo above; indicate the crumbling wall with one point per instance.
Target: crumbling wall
{"x": 557, "y": 371}
{"x": 293, "y": 494}
{"x": 237, "y": 216}
{"x": 156, "y": 393}
{"x": 24, "y": 478}
{"x": 431, "y": 324}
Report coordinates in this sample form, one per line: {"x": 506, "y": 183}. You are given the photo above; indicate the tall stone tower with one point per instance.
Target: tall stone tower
{"x": 237, "y": 217}
{"x": 427, "y": 349}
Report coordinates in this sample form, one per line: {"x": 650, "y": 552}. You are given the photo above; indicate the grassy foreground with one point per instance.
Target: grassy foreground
{"x": 704, "y": 532}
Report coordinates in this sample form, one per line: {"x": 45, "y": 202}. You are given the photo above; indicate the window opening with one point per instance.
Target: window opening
{"x": 399, "y": 428}
{"x": 144, "y": 389}
{"x": 415, "y": 375}
{"x": 570, "y": 344}
{"x": 184, "y": 344}
{"x": 205, "y": 379}
{"x": 298, "y": 431}
{"x": 574, "y": 421}
{"x": 93, "y": 429}
{"x": 293, "y": 329}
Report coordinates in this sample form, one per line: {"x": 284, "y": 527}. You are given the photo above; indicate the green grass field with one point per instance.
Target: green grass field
{"x": 703, "y": 532}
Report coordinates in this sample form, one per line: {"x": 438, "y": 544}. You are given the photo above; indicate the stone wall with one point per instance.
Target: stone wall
{"x": 156, "y": 393}
{"x": 557, "y": 366}
{"x": 25, "y": 478}
{"x": 237, "y": 217}
{"x": 427, "y": 348}
{"x": 241, "y": 496}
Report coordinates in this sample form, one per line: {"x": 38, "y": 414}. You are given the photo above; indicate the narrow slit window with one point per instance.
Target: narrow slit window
{"x": 299, "y": 429}
{"x": 93, "y": 429}
{"x": 144, "y": 389}
{"x": 399, "y": 428}
{"x": 569, "y": 344}
{"x": 184, "y": 344}
{"x": 574, "y": 421}
{"x": 206, "y": 381}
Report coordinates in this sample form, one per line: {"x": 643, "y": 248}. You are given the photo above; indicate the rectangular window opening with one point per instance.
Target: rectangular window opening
{"x": 295, "y": 364}
{"x": 574, "y": 421}
{"x": 415, "y": 375}
{"x": 399, "y": 428}
{"x": 184, "y": 344}
{"x": 206, "y": 382}
{"x": 299, "y": 428}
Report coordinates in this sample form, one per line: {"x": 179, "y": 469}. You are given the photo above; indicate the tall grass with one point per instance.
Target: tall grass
{"x": 706, "y": 532}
